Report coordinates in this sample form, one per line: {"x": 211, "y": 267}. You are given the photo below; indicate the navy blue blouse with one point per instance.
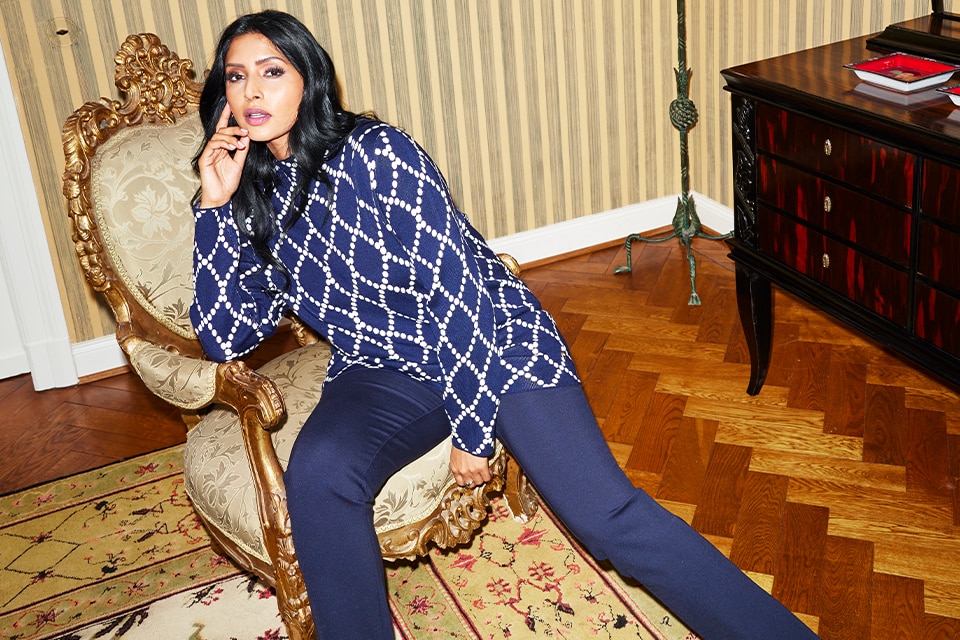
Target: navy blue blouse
{"x": 385, "y": 267}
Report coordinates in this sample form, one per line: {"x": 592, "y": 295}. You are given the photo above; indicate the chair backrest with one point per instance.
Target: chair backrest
{"x": 128, "y": 184}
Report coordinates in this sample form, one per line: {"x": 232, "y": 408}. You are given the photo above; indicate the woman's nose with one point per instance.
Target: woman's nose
{"x": 252, "y": 89}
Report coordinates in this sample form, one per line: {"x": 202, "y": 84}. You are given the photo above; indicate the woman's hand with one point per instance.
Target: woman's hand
{"x": 469, "y": 470}
{"x": 219, "y": 171}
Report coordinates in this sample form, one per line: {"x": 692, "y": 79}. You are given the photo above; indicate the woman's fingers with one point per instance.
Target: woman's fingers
{"x": 227, "y": 141}
{"x": 224, "y": 117}
{"x": 234, "y": 135}
{"x": 469, "y": 470}
{"x": 223, "y": 123}
{"x": 242, "y": 148}
{"x": 221, "y": 163}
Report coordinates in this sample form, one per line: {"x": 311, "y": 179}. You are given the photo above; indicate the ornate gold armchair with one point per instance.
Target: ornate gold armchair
{"x": 128, "y": 184}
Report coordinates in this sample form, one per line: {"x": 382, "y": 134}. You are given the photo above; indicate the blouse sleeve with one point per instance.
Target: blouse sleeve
{"x": 416, "y": 204}
{"x": 233, "y": 308}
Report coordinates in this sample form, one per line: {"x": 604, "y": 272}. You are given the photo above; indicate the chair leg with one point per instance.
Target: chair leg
{"x": 292, "y": 597}
{"x": 296, "y": 616}
{"x": 520, "y": 496}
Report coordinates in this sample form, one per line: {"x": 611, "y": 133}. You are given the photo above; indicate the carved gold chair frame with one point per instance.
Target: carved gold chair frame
{"x": 158, "y": 89}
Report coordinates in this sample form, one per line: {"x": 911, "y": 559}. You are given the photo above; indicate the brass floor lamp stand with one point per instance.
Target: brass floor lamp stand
{"x": 683, "y": 116}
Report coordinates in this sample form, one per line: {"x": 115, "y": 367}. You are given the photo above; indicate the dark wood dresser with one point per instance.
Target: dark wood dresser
{"x": 848, "y": 196}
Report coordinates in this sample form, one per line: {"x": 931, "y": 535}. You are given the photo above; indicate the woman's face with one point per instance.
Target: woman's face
{"x": 263, "y": 90}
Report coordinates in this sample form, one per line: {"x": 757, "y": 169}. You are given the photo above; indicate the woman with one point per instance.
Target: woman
{"x": 344, "y": 220}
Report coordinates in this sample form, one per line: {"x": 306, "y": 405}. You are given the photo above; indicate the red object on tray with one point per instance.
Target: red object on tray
{"x": 903, "y": 72}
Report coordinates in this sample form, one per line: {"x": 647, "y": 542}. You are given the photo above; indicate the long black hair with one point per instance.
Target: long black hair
{"x": 318, "y": 134}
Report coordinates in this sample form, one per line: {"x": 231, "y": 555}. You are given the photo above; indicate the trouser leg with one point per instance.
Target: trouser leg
{"x": 368, "y": 425}
{"x": 554, "y": 436}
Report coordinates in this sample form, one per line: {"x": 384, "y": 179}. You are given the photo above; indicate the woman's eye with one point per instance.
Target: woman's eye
{"x": 234, "y": 77}
{"x": 273, "y": 72}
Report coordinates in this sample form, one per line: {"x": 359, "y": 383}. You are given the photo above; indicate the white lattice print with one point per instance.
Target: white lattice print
{"x": 383, "y": 265}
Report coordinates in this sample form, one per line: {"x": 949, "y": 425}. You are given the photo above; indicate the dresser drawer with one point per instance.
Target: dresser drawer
{"x": 867, "y": 223}
{"x": 882, "y": 170}
{"x": 938, "y": 318}
{"x": 938, "y": 257}
{"x": 876, "y": 286}
{"x": 940, "y": 194}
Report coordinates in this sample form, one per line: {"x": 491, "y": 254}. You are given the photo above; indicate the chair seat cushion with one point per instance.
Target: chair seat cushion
{"x": 220, "y": 484}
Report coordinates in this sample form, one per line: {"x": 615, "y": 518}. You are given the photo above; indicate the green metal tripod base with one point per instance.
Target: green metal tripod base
{"x": 686, "y": 227}
{"x": 683, "y": 116}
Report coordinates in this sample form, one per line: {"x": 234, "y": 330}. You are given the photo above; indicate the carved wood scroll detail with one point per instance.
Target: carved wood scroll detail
{"x": 745, "y": 170}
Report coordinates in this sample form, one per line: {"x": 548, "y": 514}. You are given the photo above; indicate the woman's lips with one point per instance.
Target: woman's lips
{"x": 256, "y": 117}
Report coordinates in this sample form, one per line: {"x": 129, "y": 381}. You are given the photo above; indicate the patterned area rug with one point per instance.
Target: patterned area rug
{"x": 118, "y": 553}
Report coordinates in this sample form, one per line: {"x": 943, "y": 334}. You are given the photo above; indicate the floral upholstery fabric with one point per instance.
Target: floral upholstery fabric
{"x": 185, "y": 382}
{"x": 220, "y": 484}
{"x": 142, "y": 186}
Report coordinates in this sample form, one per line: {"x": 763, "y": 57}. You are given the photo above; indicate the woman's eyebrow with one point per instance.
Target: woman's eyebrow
{"x": 257, "y": 63}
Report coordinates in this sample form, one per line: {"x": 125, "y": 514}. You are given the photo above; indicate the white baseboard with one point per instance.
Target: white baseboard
{"x": 590, "y": 231}
{"x": 98, "y": 355}
{"x": 103, "y": 354}
{"x": 50, "y": 362}
{"x": 13, "y": 364}
{"x": 716, "y": 217}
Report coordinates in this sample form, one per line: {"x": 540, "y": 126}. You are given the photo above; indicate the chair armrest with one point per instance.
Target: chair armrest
{"x": 185, "y": 382}
{"x": 256, "y": 398}
{"x": 190, "y": 383}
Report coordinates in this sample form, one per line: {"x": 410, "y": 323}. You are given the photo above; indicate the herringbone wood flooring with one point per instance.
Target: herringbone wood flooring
{"x": 835, "y": 488}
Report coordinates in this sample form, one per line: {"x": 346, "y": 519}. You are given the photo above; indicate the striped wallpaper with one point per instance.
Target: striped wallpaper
{"x": 538, "y": 111}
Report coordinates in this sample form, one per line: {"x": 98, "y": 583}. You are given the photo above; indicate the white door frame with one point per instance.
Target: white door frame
{"x": 25, "y": 253}
{"x": 13, "y": 358}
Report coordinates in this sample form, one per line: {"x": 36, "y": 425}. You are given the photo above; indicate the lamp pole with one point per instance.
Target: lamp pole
{"x": 683, "y": 116}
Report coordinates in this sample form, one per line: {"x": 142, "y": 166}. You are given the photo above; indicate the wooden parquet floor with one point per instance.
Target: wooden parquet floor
{"x": 835, "y": 488}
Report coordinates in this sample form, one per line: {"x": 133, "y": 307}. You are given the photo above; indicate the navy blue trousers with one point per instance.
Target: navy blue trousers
{"x": 370, "y": 423}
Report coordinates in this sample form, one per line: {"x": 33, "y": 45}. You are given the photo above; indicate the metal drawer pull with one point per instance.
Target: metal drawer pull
{"x": 828, "y": 147}
{"x": 826, "y": 260}
{"x": 827, "y": 204}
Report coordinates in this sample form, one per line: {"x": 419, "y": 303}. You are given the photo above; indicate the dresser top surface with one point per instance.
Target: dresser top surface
{"x": 815, "y": 81}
